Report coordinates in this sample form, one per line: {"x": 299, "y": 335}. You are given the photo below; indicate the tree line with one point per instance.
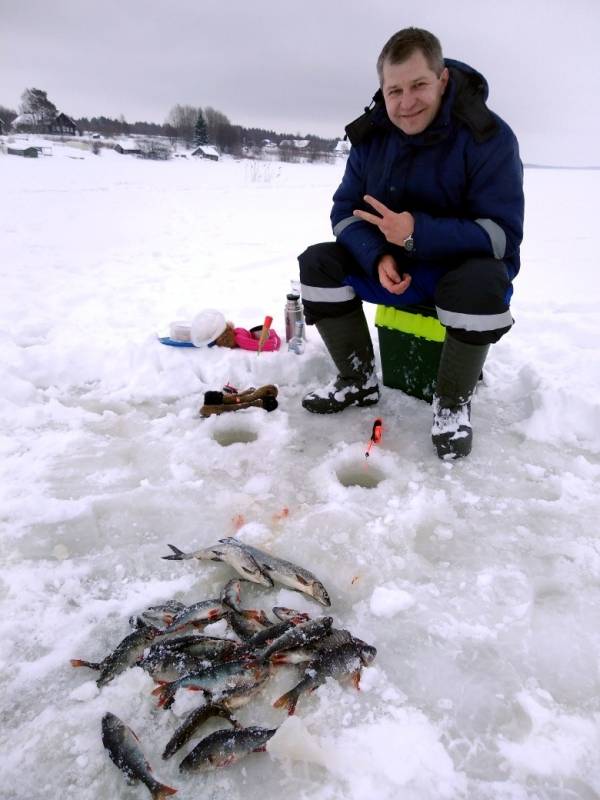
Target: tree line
{"x": 190, "y": 125}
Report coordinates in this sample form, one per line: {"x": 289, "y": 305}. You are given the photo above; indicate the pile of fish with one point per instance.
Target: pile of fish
{"x": 168, "y": 642}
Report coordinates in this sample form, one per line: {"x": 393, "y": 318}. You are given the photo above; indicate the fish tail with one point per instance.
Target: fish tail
{"x": 161, "y": 791}
{"x": 280, "y": 658}
{"x": 177, "y": 555}
{"x": 165, "y": 695}
{"x": 78, "y": 662}
{"x": 288, "y": 701}
{"x": 258, "y": 616}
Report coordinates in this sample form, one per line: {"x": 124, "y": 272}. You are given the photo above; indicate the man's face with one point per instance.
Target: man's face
{"x": 412, "y": 93}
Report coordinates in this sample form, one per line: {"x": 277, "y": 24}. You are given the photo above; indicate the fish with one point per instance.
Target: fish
{"x": 224, "y": 747}
{"x": 341, "y": 662}
{"x": 284, "y": 614}
{"x": 171, "y": 659}
{"x": 297, "y": 636}
{"x": 210, "y": 648}
{"x": 154, "y": 616}
{"x": 197, "y": 615}
{"x": 238, "y": 696}
{"x": 248, "y": 623}
{"x": 335, "y": 638}
{"x": 231, "y": 594}
{"x": 125, "y": 655}
{"x": 267, "y": 635}
{"x": 212, "y": 680}
{"x": 241, "y": 561}
{"x": 191, "y": 724}
{"x": 278, "y": 570}
{"x": 124, "y": 750}
{"x": 169, "y": 665}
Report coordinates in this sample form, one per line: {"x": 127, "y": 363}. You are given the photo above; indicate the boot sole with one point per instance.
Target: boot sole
{"x": 364, "y": 402}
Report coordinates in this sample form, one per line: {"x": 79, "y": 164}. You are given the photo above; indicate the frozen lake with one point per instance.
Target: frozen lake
{"x": 478, "y": 582}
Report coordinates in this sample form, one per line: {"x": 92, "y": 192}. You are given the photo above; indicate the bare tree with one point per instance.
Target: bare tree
{"x": 182, "y": 119}
{"x": 35, "y": 102}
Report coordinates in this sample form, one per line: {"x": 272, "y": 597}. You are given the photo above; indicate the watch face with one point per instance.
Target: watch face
{"x": 409, "y": 243}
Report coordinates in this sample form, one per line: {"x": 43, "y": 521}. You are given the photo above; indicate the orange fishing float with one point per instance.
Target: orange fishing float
{"x": 264, "y": 334}
{"x": 376, "y": 434}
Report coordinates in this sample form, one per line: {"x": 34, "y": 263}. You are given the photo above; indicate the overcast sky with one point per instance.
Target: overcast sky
{"x": 303, "y": 67}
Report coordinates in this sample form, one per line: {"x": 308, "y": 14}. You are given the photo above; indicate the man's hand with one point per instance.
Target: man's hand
{"x": 389, "y": 276}
{"x": 395, "y": 227}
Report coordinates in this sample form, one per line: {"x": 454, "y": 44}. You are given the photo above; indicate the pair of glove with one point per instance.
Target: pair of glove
{"x": 232, "y": 400}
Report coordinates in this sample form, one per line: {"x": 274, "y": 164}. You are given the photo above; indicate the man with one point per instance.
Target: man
{"x": 429, "y": 211}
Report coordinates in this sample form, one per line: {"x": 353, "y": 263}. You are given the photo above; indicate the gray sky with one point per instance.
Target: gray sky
{"x": 303, "y": 67}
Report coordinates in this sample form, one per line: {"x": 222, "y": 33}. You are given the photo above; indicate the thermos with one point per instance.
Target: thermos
{"x": 294, "y": 318}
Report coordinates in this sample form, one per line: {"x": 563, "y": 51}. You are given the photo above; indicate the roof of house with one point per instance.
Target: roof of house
{"x": 206, "y": 149}
{"x": 299, "y": 143}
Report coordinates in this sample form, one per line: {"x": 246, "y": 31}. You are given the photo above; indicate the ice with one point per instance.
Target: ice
{"x": 477, "y": 581}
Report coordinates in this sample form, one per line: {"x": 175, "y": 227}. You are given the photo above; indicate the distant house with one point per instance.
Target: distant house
{"x": 206, "y": 151}
{"x": 128, "y": 149}
{"x": 342, "y": 147}
{"x": 26, "y": 152}
{"x": 299, "y": 144}
{"x": 59, "y": 124}
{"x": 63, "y": 125}
{"x": 24, "y": 122}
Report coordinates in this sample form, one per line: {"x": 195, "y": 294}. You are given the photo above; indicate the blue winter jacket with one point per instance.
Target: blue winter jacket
{"x": 466, "y": 196}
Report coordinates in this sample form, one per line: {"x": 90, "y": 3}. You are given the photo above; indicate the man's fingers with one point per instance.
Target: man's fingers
{"x": 368, "y": 217}
{"x": 377, "y": 205}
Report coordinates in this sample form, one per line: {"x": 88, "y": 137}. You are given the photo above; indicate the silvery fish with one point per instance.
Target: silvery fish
{"x": 265, "y": 636}
{"x": 335, "y": 638}
{"x": 231, "y": 594}
{"x": 124, "y": 750}
{"x": 225, "y": 747}
{"x": 169, "y": 665}
{"x": 213, "y": 680}
{"x": 154, "y": 616}
{"x": 241, "y": 561}
{"x": 248, "y": 623}
{"x": 298, "y": 636}
{"x": 191, "y": 724}
{"x": 281, "y": 571}
{"x": 197, "y": 615}
{"x": 125, "y": 655}
{"x": 210, "y": 648}
{"x": 290, "y": 614}
{"x": 342, "y": 662}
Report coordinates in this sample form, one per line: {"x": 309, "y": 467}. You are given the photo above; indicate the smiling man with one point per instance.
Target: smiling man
{"x": 429, "y": 212}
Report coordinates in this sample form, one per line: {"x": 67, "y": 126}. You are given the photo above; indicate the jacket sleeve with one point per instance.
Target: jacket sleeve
{"x": 492, "y": 224}
{"x": 364, "y": 241}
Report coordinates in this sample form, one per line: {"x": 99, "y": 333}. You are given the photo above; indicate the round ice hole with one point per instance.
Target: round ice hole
{"x": 229, "y": 436}
{"x": 360, "y": 474}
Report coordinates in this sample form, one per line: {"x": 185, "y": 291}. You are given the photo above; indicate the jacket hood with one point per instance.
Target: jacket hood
{"x": 471, "y": 77}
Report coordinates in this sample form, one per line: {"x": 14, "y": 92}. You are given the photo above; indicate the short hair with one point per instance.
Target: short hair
{"x": 403, "y": 44}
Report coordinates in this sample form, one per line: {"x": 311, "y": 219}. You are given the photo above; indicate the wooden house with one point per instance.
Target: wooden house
{"x": 206, "y": 151}
{"x": 127, "y": 149}
{"x": 63, "y": 125}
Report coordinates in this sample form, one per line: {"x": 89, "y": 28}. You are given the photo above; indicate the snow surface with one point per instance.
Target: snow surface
{"x": 478, "y": 582}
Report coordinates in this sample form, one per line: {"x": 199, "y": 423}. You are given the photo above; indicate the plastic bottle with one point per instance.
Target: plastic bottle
{"x": 296, "y": 343}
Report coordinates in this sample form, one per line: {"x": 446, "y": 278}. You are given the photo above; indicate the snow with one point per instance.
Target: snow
{"x": 477, "y": 581}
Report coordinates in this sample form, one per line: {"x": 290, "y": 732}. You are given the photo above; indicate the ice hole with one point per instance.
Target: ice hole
{"x": 228, "y": 436}
{"x": 359, "y": 474}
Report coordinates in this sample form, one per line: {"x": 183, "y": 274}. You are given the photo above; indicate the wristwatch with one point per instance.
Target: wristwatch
{"x": 409, "y": 243}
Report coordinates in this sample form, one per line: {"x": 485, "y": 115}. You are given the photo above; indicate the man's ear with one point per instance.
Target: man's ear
{"x": 444, "y": 76}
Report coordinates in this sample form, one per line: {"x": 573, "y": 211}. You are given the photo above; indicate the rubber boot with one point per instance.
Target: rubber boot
{"x": 349, "y": 344}
{"x": 459, "y": 371}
